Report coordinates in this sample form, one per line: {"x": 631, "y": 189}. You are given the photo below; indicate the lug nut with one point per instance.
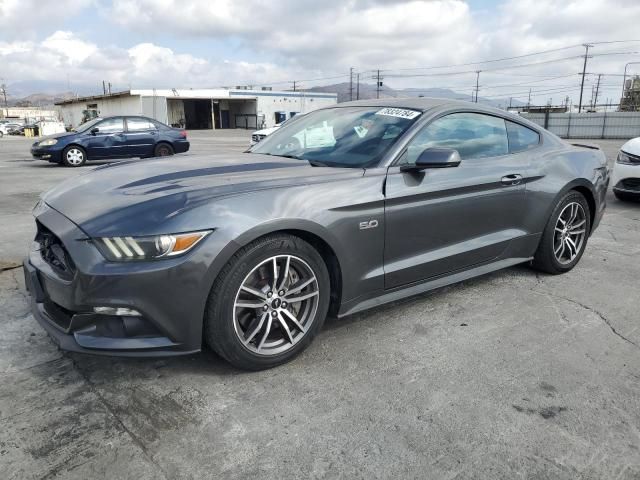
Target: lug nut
{"x": 281, "y": 293}
{"x": 284, "y": 304}
{"x": 265, "y": 307}
{"x": 269, "y": 294}
{"x": 274, "y": 314}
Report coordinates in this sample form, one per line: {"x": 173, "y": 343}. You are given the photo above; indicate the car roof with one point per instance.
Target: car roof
{"x": 429, "y": 103}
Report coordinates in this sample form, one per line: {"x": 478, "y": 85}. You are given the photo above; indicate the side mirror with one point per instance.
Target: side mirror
{"x": 434, "y": 158}
{"x": 94, "y": 130}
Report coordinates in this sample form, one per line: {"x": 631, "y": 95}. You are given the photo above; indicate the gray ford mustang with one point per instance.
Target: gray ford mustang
{"x": 342, "y": 210}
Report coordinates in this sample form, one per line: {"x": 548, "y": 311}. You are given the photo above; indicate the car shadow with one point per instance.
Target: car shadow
{"x": 208, "y": 363}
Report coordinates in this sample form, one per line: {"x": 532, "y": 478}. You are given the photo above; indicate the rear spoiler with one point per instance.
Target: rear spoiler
{"x": 592, "y": 146}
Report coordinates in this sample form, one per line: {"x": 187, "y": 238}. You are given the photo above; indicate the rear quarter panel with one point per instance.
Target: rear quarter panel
{"x": 558, "y": 167}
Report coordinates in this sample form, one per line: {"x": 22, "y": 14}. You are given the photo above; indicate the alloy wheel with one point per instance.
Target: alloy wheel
{"x": 75, "y": 156}
{"x": 570, "y": 233}
{"x": 276, "y": 305}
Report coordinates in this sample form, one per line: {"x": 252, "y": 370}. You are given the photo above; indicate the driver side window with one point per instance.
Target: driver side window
{"x": 111, "y": 125}
{"x": 473, "y": 135}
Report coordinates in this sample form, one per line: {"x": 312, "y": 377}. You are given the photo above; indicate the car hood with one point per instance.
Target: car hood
{"x": 632, "y": 147}
{"x": 118, "y": 195}
{"x": 266, "y": 131}
{"x": 56, "y": 136}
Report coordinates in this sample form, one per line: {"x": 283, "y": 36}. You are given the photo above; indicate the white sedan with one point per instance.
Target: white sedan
{"x": 626, "y": 171}
{"x": 260, "y": 134}
{"x": 5, "y": 128}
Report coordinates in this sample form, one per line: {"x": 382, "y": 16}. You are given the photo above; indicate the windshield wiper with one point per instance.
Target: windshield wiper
{"x": 289, "y": 155}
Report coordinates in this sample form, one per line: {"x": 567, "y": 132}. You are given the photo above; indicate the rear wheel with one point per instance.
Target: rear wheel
{"x": 74, "y": 156}
{"x": 565, "y": 235}
{"x": 163, "y": 150}
{"x": 268, "y": 302}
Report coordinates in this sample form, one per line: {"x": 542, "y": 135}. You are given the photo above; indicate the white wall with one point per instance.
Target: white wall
{"x": 268, "y": 105}
{"x": 125, "y": 105}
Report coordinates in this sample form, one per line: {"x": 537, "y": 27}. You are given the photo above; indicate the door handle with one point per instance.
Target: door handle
{"x": 513, "y": 179}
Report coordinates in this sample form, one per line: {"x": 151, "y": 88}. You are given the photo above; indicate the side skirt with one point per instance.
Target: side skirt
{"x": 429, "y": 285}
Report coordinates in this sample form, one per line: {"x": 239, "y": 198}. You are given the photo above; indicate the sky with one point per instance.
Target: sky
{"x": 60, "y": 45}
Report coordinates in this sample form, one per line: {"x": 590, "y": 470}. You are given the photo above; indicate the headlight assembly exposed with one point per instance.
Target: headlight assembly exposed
{"x": 123, "y": 249}
{"x": 48, "y": 143}
{"x": 626, "y": 159}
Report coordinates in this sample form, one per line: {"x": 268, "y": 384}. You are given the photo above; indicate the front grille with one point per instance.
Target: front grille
{"x": 631, "y": 184}
{"x": 54, "y": 252}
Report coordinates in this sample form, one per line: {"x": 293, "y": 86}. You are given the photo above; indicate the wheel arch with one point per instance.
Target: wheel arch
{"x": 314, "y": 234}
{"x": 584, "y": 187}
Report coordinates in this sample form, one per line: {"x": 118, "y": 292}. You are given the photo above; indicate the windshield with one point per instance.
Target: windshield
{"x": 86, "y": 126}
{"x": 351, "y": 137}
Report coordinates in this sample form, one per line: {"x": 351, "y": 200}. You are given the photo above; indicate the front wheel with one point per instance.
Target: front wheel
{"x": 268, "y": 302}
{"x": 565, "y": 235}
{"x": 74, "y": 156}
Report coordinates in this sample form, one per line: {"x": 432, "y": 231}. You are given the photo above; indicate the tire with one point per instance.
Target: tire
{"x": 74, "y": 156}
{"x": 626, "y": 197}
{"x": 555, "y": 255}
{"x": 163, "y": 150}
{"x": 246, "y": 329}
{"x": 1, "y": 134}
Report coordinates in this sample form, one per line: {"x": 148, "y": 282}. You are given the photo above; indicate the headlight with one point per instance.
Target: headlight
{"x": 626, "y": 159}
{"x": 48, "y": 143}
{"x": 123, "y": 249}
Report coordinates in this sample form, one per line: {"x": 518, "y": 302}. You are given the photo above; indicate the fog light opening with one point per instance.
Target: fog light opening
{"x": 117, "y": 311}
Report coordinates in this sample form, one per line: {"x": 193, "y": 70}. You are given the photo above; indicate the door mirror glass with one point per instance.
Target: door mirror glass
{"x": 94, "y": 130}
{"x": 434, "y": 158}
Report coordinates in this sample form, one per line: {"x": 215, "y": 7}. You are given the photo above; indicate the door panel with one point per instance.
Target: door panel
{"x": 141, "y": 136}
{"x": 440, "y": 220}
{"x": 109, "y": 141}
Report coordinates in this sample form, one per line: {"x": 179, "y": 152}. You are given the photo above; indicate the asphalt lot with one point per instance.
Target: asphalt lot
{"x": 512, "y": 375}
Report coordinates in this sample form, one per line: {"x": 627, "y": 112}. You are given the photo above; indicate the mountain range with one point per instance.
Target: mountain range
{"x": 19, "y": 94}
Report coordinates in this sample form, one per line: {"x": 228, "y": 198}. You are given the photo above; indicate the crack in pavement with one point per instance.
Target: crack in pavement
{"x": 102, "y": 400}
{"x": 593, "y": 310}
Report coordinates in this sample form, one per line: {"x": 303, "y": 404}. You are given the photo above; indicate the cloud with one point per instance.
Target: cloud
{"x": 22, "y": 19}
{"x": 281, "y": 40}
{"x": 64, "y": 56}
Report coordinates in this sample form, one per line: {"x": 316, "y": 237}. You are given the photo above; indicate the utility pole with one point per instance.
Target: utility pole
{"x": 294, "y": 85}
{"x": 529, "y": 100}
{"x": 104, "y": 88}
{"x": 3, "y": 88}
{"x": 351, "y": 83}
{"x": 109, "y": 88}
{"x": 378, "y": 84}
{"x": 595, "y": 101}
{"x": 584, "y": 71}
{"x": 510, "y": 100}
{"x": 357, "y": 86}
{"x": 477, "y": 83}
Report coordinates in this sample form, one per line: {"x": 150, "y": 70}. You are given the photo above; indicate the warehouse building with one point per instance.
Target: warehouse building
{"x": 198, "y": 108}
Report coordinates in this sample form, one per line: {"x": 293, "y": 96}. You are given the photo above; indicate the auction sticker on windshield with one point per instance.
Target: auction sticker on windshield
{"x": 398, "y": 112}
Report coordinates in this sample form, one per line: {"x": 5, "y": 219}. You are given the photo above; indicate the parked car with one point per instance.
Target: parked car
{"x": 111, "y": 137}
{"x": 260, "y": 134}
{"x": 7, "y": 128}
{"x": 248, "y": 252}
{"x": 626, "y": 171}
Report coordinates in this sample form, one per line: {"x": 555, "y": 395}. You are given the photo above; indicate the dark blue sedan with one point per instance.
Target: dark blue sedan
{"x": 111, "y": 137}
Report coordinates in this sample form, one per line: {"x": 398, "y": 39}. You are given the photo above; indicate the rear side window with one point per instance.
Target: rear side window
{"x": 139, "y": 124}
{"x": 521, "y": 138}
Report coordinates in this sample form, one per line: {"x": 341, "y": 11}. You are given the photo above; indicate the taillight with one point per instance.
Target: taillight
{"x": 183, "y": 133}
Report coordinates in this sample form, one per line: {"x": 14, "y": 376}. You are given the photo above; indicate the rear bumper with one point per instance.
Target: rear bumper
{"x": 171, "y": 309}
{"x": 181, "y": 146}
